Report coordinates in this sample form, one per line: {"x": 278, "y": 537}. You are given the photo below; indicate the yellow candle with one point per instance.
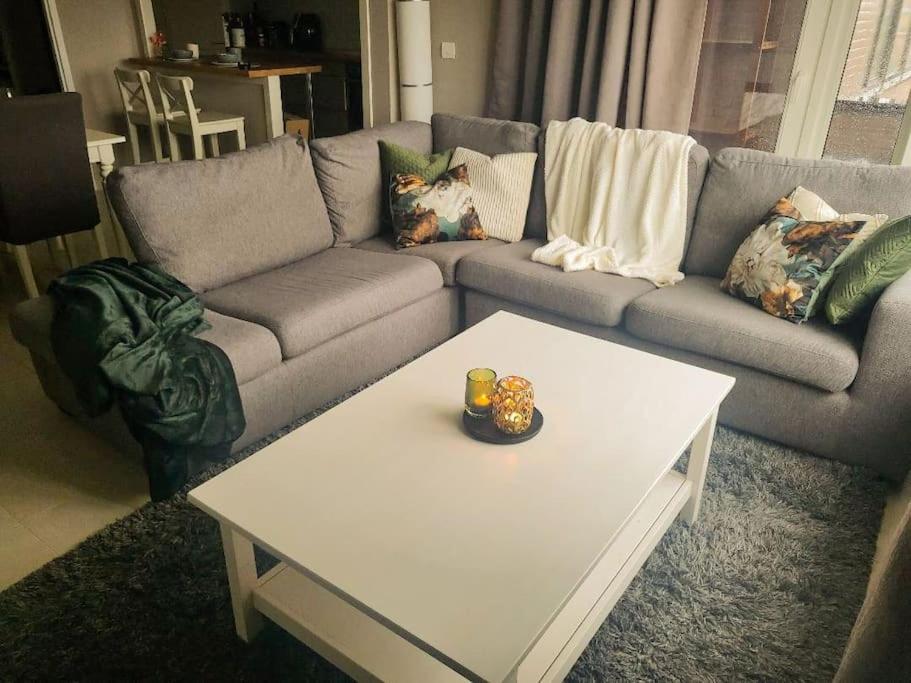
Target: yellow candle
{"x": 479, "y": 390}
{"x": 513, "y": 404}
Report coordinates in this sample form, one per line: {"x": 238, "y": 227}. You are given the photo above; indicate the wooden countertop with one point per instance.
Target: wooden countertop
{"x": 204, "y": 66}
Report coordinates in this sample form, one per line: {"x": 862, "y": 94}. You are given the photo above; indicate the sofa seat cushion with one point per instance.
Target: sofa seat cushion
{"x": 508, "y": 272}
{"x": 445, "y": 254}
{"x": 252, "y": 349}
{"x": 314, "y": 300}
{"x": 696, "y": 315}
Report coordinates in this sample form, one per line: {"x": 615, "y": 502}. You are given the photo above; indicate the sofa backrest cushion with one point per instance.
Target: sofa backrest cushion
{"x": 216, "y": 221}
{"x": 348, "y": 171}
{"x": 743, "y": 184}
{"x": 491, "y": 137}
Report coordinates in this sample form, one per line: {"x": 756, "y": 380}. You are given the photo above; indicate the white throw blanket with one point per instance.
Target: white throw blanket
{"x": 616, "y": 200}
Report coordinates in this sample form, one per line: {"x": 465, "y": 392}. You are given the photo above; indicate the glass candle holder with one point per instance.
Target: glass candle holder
{"x": 480, "y": 386}
{"x": 513, "y": 404}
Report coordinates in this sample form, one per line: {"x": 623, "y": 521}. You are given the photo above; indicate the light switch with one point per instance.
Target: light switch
{"x": 447, "y": 50}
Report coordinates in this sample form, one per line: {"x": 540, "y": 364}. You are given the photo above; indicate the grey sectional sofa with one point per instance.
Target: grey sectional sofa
{"x": 309, "y": 299}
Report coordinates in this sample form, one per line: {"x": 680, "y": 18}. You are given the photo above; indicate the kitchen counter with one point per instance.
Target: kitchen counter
{"x": 255, "y": 94}
{"x": 265, "y": 68}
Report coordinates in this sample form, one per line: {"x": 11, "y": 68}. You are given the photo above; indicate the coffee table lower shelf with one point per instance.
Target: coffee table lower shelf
{"x": 365, "y": 649}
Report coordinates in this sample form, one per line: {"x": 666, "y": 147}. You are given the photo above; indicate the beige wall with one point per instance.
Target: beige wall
{"x": 98, "y": 35}
{"x": 460, "y": 84}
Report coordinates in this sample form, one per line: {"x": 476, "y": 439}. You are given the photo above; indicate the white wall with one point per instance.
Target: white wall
{"x": 460, "y": 84}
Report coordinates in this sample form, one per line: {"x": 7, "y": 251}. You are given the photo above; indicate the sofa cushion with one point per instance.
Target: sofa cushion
{"x": 508, "y": 272}
{"x": 743, "y": 183}
{"x": 492, "y": 137}
{"x": 316, "y": 299}
{"x": 445, "y": 254}
{"x": 348, "y": 171}
{"x": 212, "y": 222}
{"x": 696, "y": 315}
{"x": 251, "y": 348}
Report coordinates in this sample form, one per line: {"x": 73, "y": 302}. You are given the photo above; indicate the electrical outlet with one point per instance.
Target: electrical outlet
{"x": 447, "y": 50}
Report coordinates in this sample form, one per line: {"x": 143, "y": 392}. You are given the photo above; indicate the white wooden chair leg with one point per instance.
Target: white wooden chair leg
{"x": 58, "y": 243}
{"x": 98, "y": 231}
{"x": 133, "y": 135}
{"x": 173, "y": 146}
{"x": 25, "y": 269}
{"x": 6, "y": 248}
{"x": 199, "y": 151}
{"x": 72, "y": 254}
{"x": 213, "y": 144}
{"x": 241, "y": 137}
{"x": 156, "y": 143}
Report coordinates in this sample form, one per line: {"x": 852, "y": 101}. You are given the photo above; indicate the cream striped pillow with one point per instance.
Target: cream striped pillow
{"x": 500, "y": 189}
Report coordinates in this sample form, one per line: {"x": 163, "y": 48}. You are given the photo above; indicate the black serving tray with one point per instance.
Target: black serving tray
{"x": 484, "y": 429}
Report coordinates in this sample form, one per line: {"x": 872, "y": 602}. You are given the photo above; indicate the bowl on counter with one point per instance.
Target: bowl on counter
{"x": 180, "y": 53}
{"x": 227, "y": 58}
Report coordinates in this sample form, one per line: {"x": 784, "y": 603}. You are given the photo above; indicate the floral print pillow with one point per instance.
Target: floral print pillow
{"x": 780, "y": 265}
{"x": 423, "y": 213}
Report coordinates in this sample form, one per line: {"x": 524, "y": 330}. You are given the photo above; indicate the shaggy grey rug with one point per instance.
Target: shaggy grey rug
{"x": 766, "y": 586}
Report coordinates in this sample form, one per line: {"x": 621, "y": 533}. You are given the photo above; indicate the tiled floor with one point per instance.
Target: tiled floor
{"x": 59, "y": 483}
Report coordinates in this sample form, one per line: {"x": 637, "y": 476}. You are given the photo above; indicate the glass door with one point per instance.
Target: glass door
{"x": 866, "y": 122}
{"x": 807, "y": 78}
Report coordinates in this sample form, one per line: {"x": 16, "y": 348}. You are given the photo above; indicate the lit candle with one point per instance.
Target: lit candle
{"x": 479, "y": 390}
{"x": 513, "y": 404}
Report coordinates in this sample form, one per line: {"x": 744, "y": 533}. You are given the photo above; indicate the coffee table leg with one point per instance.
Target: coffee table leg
{"x": 242, "y": 579}
{"x": 697, "y": 467}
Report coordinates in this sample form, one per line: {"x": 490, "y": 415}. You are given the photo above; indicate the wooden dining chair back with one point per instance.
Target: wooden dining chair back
{"x": 139, "y": 109}
{"x": 182, "y": 117}
{"x": 46, "y": 186}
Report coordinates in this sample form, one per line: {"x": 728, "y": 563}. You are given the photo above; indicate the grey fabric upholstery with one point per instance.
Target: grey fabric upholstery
{"x": 252, "y": 349}
{"x": 316, "y": 299}
{"x": 845, "y": 425}
{"x": 697, "y": 316}
{"x": 445, "y": 254}
{"x": 493, "y": 136}
{"x": 696, "y": 169}
{"x": 587, "y": 296}
{"x": 360, "y": 355}
{"x": 743, "y": 184}
{"x": 348, "y": 170}
{"x": 212, "y": 222}
{"x": 488, "y": 136}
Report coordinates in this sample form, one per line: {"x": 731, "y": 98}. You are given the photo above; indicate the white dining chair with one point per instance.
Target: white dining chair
{"x": 183, "y": 118}
{"x": 140, "y": 110}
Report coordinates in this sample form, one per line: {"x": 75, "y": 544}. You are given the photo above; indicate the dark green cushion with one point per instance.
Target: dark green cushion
{"x": 395, "y": 160}
{"x": 876, "y": 264}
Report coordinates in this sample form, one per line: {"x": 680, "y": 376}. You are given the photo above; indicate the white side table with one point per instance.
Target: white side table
{"x": 100, "y": 146}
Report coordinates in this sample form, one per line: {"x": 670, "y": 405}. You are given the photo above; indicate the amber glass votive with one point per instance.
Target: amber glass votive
{"x": 480, "y": 386}
{"x": 513, "y": 404}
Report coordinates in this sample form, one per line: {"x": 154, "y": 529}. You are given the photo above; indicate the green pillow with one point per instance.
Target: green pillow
{"x": 876, "y": 264}
{"x": 397, "y": 160}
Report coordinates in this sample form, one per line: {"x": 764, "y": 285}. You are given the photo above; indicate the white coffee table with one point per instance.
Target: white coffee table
{"x": 410, "y": 552}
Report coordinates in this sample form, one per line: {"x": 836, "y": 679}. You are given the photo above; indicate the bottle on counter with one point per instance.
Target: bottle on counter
{"x": 225, "y": 23}
{"x": 238, "y": 35}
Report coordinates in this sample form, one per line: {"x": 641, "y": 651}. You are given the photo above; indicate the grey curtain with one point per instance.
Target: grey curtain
{"x": 880, "y": 644}
{"x": 629, "y": 63}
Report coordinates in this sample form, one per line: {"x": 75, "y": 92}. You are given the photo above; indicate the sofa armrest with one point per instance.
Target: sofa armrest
{"x": 885, "y": 362}
{"x": 30, "y": 322}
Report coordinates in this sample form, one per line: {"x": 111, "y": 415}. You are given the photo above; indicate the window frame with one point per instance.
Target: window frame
{"x": 822, "y": 52}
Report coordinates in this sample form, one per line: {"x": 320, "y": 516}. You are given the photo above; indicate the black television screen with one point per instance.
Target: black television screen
{"x": 27, "y": 64}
